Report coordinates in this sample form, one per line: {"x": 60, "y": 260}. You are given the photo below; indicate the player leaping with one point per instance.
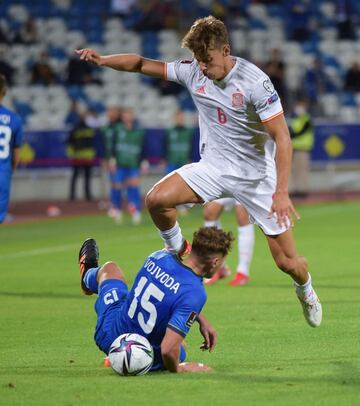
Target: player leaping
{"x": 244, "y": 144}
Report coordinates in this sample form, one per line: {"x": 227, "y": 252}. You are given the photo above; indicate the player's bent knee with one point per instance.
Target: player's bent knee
{"x": 154, "y": 199}
{"x": 110, "y": 270}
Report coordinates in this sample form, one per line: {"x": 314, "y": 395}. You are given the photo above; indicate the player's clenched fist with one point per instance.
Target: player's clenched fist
{"x": 89, "y": 55}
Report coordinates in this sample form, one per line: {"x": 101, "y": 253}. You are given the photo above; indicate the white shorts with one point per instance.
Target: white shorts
{"x": 254, "y": 195}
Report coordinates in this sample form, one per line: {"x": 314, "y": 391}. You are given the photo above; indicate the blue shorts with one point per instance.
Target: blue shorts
{"x": 122, "y": 174}
{"x": 5, "y": 181}
{"x": 108, "y": 307}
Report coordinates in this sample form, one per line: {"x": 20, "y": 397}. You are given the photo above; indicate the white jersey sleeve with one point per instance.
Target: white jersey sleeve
{"x": 180, "y": 71}
{"x": 266, "y": 100}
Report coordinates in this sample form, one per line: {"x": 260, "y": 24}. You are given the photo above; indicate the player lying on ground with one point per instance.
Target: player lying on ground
{"x": 166, "y": 298}
{"x": 245, "y": 147}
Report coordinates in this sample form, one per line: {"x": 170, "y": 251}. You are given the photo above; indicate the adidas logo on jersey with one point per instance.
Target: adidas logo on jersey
{"x": 201, "y": 90}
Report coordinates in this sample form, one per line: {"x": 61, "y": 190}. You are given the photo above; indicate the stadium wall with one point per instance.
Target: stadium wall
{"x": 46, "y": 169}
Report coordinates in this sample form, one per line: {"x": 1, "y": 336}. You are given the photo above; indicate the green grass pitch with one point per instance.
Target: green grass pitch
{"x": 266, "y": 355}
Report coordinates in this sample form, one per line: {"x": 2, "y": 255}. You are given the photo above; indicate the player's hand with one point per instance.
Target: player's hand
{"x": 194, "y": 367}
{"x": 89, "y": 55}
{"x": 209, "y": 333}
{"x": 284, "y": 209}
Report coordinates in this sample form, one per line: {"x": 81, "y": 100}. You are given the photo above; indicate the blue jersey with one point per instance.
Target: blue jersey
{"x": 10, "y": 136}
{"x": 165, "y": 294}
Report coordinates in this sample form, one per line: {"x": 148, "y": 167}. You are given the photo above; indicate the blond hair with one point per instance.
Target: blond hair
{"x": 205, "y": 34}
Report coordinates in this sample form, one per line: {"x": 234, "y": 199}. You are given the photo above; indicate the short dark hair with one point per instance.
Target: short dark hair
{"x": 3, "y": 84}
{"x": 205, "y": 34}
{"x": 211, "y": 240}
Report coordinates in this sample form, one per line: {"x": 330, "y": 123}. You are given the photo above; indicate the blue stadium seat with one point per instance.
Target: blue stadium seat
{"x": 23, "y": 109}
{"x": 348, "y": 99}
{"x": 76, "y": 92}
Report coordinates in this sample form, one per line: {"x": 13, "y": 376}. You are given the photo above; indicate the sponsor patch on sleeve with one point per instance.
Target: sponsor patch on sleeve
{"x": 191, "y": 319}
{"x": 272, "y": 99}
{"x": 186, "y": 61}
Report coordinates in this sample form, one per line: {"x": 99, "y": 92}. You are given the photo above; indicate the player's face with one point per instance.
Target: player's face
{"x": 215, "y": 67}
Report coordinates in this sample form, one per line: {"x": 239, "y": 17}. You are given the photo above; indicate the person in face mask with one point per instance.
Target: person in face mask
{"x": 302, "y": 136}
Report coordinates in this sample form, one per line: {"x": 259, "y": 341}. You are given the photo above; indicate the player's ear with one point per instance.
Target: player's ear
{"x": 226, "y": 50}
{"x": 215, "y": 261}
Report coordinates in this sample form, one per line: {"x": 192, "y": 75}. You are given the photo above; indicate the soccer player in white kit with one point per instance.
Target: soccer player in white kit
{"x": 245, "y": 147}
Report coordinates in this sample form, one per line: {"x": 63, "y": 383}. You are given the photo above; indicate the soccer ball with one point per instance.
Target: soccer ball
{"x": 131, "y": 354}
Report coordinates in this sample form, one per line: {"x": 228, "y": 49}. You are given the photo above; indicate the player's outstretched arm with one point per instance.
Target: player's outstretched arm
{"x": 170, "y": 351}
{"x": 124, "y": 62}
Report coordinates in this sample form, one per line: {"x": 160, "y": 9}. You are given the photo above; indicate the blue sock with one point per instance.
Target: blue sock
{"x": 90, "y": 279}
{"x": 133, "y": 194}
{"x": 116, "y": 199}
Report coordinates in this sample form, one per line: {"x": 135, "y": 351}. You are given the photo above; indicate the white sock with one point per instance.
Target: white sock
{"x": 212, "y": 223}
{"x": 304, "y": 290}
{"x": 246, "y": 240}
{"x": 173, "y": 238}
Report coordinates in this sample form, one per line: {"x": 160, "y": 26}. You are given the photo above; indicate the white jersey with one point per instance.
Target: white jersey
{"x": 231, "y": 113}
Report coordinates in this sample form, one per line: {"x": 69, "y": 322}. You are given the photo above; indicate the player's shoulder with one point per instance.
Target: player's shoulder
{"x": 250, "y": 72}
{"x": 160, "y": 254}
{"x": 12, "y": 115}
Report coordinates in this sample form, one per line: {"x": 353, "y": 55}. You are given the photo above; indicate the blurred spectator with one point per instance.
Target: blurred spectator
{"x": 124, "y": 157}
{"x": 352, "y": 78}
{"x": 5, "y": 68}
{"x": 113, "y": 115}
{"x": 157, "y": 15}
{"x": 178, "y": 147}
{"x": 302, "y": 136}
{"x": 42, "y": 73}
{"x": 28, "y": 33}
{"x": 299, "y": 19}
{"x": 275, "y": 68}
{"x": 82, "y": 153}
{"x": 344, "y": 15}
{"x": 315, "y": 83}
{"x": 80, "y": 73}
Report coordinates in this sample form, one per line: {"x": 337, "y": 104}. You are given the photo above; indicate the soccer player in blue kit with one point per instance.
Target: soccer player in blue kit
{"x": 10, "y": 141}
{"x": 166, "y": 298}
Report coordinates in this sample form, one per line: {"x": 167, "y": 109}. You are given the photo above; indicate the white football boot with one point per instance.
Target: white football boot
{"x": 311, "y": 307}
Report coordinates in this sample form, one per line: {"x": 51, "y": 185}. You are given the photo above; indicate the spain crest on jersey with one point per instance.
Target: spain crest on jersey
{"x": 237, "y": 99}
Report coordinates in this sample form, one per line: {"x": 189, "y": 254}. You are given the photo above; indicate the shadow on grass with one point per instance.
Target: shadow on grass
{"x": 345, "y": 373}
{"x": 42, "y": 295}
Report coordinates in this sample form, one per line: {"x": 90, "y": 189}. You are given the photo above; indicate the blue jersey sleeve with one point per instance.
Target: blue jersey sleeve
{"x": 186, "y": 312}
